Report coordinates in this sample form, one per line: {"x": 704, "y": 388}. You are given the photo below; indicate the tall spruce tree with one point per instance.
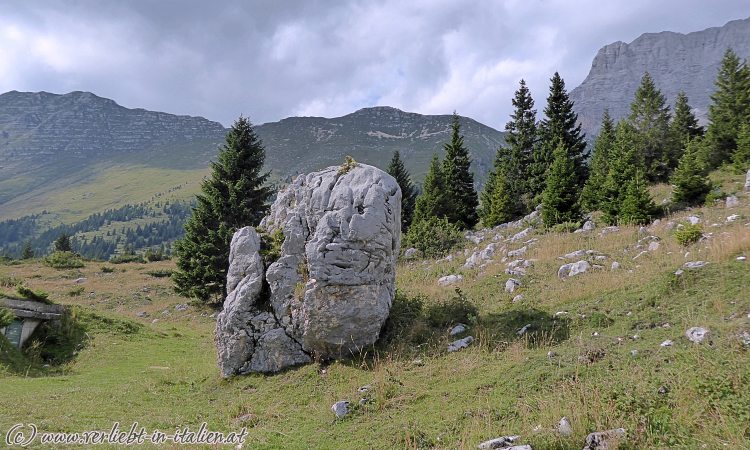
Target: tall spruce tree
{"x": 560, "y": 202}
{"x": 459, "y": 181}
{"x": 690, "y": 183}
{"x": 514, "y": 159}
{"x": 684, "y": 124}
{"x": 649, "y": 116}
{"x": 408, "y": 193}
{"x": 730, "y": 108}
{"x": 434, "y": 200}
{"x": 236, "y": 195}
{"x": 560, "y": 124}
{"x": 593, "y": 191}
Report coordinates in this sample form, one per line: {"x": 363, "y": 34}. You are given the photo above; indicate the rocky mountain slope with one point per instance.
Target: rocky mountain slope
{"x": 51, "y": 144}
{"x": 676, "y": 61}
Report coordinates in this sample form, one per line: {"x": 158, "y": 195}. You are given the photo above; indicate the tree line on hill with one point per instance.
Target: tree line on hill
{"x": 22, "y": 237}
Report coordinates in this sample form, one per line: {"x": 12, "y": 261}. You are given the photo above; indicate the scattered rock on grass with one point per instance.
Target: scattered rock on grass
{"x": 604, "y": 440}
{"x": 516, "y": 253}
{"x": 517, "y": 298}
{"x": 458, "y": 329}
{"x": 181, "y": 307}
{"x": 573, "y": 269}
{"x": 694, "y": 264}
{"x": 412, "y": 253}
{"x": 523, "y": 329}
{"x": 460, "y": 344}
{"x": 511, "y": 285}
{"x": 615, "y": 265}
{"x": 733, "y": 217}
{"x": 504, "y": 442}
{"x": 697, "y": 334}
{"x": 564, "y": 427}
{"x": 340, "y": 408}
{"x": 732, "y": 201}
{"x": 745, "y": 338}
{"x": 747, "y": 181}
{"x": 450, "y": 279}
{"x": 667, "y": 343}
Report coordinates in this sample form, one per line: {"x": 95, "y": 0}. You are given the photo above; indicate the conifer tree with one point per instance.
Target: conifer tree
{"x": 408, "y": 194}
{"x": 502, "y": 206}
{"x": 690, "y": 183}
{"x": 649, "y": 116}
{"x": 62, "y": 243}
{"x": 235, "y": 195}
{"x": 459, "y": 181}
{"x": 514, "y": 159}
{"x": 625, "y": 162}
{"x": 560, "y": 123}
{"x": 28, "y": 251}
{"x": 684, "y": 125}
{"x": 434, "y": 200}
{"x": 637, "y": 206}
{"x": 560, "y": 196}
{"x": 730, "y": 108}
{"x": 593, "y": 191}
{"x": 741, "y": 156}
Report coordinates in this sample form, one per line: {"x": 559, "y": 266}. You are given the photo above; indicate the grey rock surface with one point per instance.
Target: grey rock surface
{"x": 604, "y": 440}
{"x": 573, "y": 269}
{"x": 449, "y": 279}
{"x": 697, "y": 334}
{"x": 502, "y": 442}
{"x": 332, "y": 286}
{"x": 747, "y": 180}
{"x": 676, "y": 61}
{"x": 340, "y": 408}
{"x": 460, "y": 344}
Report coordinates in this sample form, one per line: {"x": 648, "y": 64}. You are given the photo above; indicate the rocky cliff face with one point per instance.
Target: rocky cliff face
{"x": 687, "y": 62}
{"x": 330, "y": 291}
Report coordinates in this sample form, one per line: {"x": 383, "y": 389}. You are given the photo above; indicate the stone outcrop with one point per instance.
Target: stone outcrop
{"x": 675, "y": 61}
{"x": 330, "y": 291}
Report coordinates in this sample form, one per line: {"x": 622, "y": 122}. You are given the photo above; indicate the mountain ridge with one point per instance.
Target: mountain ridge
{"x": 676, "y": 61}
{"x": 71, "y": 140}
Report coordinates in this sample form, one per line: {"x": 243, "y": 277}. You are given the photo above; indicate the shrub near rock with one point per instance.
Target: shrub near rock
{"x": 689, "y": 234}
{"x": 64, "y": 260}
{"x": 434, "y": 237}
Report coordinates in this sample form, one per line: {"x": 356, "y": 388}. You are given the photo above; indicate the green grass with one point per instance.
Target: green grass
{"x": 163, "y": 374}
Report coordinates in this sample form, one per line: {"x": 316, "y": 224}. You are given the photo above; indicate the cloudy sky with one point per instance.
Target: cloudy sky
{"x": 269, "y": 59}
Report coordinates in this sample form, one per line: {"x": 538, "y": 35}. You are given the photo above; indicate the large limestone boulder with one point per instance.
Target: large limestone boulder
{"x": 330, "y": 291}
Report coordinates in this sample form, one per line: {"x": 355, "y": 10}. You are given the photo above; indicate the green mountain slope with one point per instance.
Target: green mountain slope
{"x": 76, "y": 154}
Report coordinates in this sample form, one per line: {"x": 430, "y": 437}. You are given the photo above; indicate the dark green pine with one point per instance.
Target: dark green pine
{"x": 408, "y": 194}
{"x": 459, "y": 180}
{"x": 235, "y": 195}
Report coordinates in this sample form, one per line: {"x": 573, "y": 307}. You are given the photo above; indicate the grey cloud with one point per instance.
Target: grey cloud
{"x": 271, "y": 59}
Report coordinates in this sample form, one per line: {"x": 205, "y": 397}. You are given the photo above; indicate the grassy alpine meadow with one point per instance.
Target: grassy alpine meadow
{"x": 592, "y": 351}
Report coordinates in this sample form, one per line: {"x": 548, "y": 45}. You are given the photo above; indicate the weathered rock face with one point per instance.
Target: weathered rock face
{"x": 676, "y": 61}
{"x": 247, "y": 337}
{"x": 331, "y": 289}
